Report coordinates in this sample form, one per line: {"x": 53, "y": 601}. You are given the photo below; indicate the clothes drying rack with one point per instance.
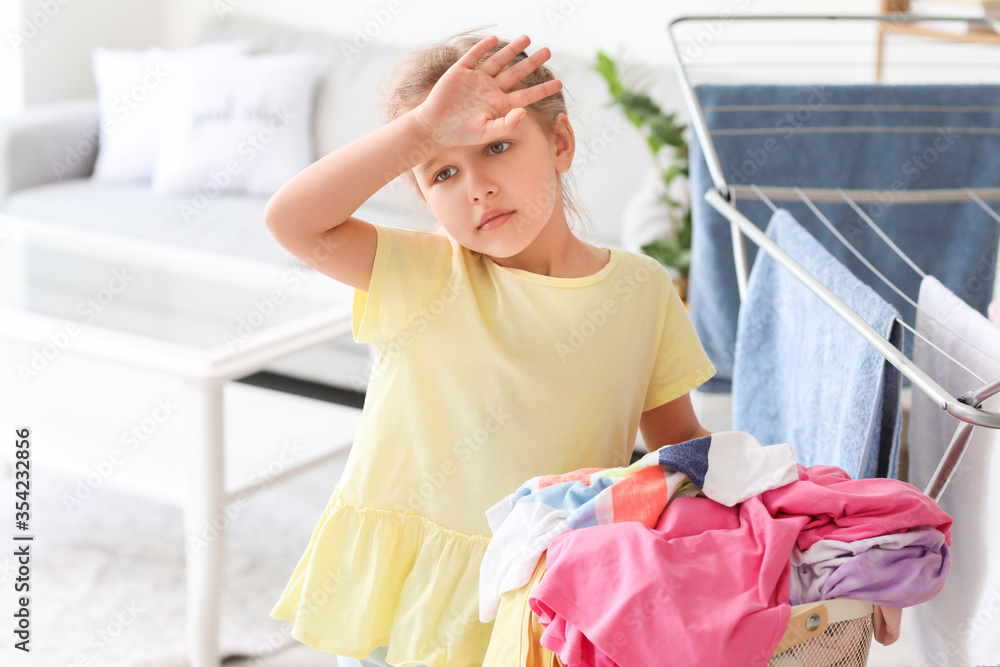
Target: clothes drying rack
{"x": 967, "y": 408}
{"x": 806, "y": 621}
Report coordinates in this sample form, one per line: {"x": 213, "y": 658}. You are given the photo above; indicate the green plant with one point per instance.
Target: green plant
{"x": 662, "y": 133}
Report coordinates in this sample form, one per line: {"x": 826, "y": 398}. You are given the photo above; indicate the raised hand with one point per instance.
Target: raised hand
{"x": 471, "y": 105}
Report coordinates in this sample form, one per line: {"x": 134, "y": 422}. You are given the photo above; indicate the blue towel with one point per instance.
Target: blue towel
{"x": 784, "y": 140}
{"x": 803, "y": 375}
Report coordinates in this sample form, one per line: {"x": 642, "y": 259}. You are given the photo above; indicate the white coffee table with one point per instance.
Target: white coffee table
{"x": 195, "y": 317}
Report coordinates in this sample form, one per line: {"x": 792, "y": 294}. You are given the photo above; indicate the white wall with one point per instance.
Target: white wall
{"x": 11, "y": 84}
{"x": 633, "y": 30}
{"x": 46, "y": 51}
{"x": 574, "y": 26}
{"x": 57, "y": 57}
{"x": 580, "y": 27}
{"x": 54, "y": 62}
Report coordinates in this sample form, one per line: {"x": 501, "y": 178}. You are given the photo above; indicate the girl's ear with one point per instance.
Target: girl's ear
{"x": 564, "y": 142}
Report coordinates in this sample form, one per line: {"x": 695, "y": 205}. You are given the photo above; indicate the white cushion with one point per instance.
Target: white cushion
{"x": 240, "y": 124}
{"x": 130, "y": 87}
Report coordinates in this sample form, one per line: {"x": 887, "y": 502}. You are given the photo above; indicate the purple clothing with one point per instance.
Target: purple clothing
{"x": 895, "y": 570}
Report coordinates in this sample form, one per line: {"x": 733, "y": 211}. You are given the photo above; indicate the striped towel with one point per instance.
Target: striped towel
{"x": 727, "y": 467}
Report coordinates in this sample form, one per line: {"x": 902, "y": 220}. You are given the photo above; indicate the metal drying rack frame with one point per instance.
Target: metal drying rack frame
{"x": 967, "y": 408}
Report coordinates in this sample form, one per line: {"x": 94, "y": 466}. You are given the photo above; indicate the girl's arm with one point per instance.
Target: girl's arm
{"x": 311, "y": 214}
{"x": 670, "y": 424}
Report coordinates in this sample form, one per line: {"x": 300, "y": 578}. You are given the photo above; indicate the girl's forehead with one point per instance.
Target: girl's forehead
{"x": 528, "y": 129}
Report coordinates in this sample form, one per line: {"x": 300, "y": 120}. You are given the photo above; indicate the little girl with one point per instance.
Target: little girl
{"x": 505, "y": 348}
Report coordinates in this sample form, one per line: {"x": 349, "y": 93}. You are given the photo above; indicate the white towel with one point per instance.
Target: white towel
{"x": 961, "y": 626}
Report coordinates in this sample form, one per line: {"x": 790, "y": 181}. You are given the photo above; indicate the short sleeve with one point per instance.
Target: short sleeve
{"x": 411, "y": 269}
{"x": 681, "y": 363}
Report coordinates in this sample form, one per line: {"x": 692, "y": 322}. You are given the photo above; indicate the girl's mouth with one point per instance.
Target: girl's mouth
{"x": 494, "y": 218}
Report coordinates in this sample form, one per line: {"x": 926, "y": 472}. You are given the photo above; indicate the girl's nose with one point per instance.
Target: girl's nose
{"x": 476, "y": 197}
{"x": 481, "y": 187}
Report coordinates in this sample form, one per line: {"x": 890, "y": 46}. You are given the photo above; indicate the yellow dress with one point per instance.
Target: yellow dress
{"x": 517, "y": 630}
{"x": 484, "y": 377}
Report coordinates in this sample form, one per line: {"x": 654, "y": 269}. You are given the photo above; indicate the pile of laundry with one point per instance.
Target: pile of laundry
{"x": 697, "y": 551}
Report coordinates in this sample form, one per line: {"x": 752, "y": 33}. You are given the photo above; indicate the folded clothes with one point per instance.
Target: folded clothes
{"x": 728, "y": 467}
{"x": 841, "y": 508}
{"x": 895, "y": 570}
{"x": 720, "y": 573}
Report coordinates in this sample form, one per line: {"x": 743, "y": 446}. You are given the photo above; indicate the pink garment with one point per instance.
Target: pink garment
{"x": 886, "y": 622}
{"x": 994, "y": 312}
{"x": 709, "y": 584}
{"x": 837, "y": 507}
{"x": 577, "y": 649}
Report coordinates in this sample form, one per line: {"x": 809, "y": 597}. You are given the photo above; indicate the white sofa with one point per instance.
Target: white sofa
{"x": 47, "y": 156}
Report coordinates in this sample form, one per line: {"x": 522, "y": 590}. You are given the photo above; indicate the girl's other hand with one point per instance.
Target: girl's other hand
{"x": 471, "y": 105}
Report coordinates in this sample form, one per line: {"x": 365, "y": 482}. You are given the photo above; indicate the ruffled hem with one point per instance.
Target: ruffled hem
{"x": 373, "y": 577}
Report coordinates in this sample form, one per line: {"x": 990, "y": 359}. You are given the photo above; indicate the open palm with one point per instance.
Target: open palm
{"x": 473, "y": 105}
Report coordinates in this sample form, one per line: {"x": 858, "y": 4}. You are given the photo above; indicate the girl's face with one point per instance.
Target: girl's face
{"x": 496, "y": 198}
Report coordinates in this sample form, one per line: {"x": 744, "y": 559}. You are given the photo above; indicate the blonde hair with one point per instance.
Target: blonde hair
{"x": 413, "y": 77}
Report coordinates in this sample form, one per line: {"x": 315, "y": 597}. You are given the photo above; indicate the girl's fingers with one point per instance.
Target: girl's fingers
{"x": 494, "y": 66}
{"x": 504, "y": 124}
{"x": 499, "y": 60}
{"x": 472, "y": 56}
{"x": 512, "y": 75}
{"x": 526, "y": 96}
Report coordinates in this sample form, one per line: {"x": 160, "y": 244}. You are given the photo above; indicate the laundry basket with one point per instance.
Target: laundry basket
{"x": 832, "y": 633}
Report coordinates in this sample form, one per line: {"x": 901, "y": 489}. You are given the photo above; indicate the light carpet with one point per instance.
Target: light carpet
{"x": 108, "y": 577}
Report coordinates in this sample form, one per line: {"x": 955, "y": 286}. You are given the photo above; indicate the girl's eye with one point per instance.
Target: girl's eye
{"x": 444, "y": 174}
{"x": 499, "y": 147}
